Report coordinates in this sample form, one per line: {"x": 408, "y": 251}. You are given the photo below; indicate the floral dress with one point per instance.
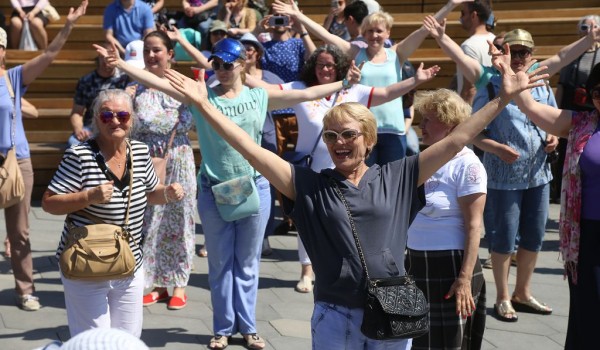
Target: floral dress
{"x": 169, "y": 229}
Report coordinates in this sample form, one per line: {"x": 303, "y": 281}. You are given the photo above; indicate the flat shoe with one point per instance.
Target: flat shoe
{"x": 218, "y": 342}
{"x": 202, "y": 252}
{"x": 253, "y": 341}
{"x": 151, "y": 299}
{"x": 304, "y": 285}
{"x": 503, "y": 309}
{"x": 177, "y": 303}
{"x": 531, "y": 306}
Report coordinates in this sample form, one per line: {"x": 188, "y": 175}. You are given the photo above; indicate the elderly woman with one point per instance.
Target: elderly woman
{"x": 382, "y": 67}
{"x": 383, "y": 200}
{"x": 17, "y": 216}
{"x": 93, "y": 178}
{"x": 579, "y": 215}
{"x": 444, "y": 237}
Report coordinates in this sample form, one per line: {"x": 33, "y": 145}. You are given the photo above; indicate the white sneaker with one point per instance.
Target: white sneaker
{"x": 28, "y": 302}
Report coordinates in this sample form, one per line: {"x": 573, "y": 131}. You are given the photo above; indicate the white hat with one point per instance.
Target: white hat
{"x": 134, "y": 54}
{"x": 3, "y": 38}
{"x": 372, "y": 6}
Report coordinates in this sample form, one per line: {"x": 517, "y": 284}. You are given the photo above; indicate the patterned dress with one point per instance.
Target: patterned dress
{"x": 170, "y": 228}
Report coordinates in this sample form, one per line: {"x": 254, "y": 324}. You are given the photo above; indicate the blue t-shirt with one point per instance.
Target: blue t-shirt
{"x": 220, "y": 161}
{"x": 6, "y": 114}
{"x": 128, "y": 26}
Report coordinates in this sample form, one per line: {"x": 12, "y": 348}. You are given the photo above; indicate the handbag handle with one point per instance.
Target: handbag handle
{"x": 11, "y": 93}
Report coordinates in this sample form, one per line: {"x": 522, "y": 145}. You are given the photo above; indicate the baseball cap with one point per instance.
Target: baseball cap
{"x": 217, "y": 25}
{"x": 228, "y": 50}
{"x": 134, "y": 54}
{"x": 2, "y": 38}
{"x": 519, "y": 37}
{"x": 249, "y": 38}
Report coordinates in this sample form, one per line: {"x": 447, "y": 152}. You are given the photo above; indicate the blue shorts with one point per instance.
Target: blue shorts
{"x": 522, "y": 212}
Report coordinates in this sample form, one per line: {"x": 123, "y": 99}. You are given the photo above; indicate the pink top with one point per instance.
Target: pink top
{"x": 16, "y": 4}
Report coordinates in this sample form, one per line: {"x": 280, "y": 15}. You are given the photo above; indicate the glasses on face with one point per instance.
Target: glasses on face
{"x": 330, "y": 136}
{"x": 108, "y": 116}
{"x": 585, "y": 27}
{"x": 520, "y": 53}
{"x": 329, "y": 66}
{"x": 596, "y": 93}
{"x": 226, "y": 66}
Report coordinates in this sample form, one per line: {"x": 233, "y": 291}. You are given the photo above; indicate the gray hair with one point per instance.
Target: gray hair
{"x": 107, "y": 95}
{"x": 594, "y": 18}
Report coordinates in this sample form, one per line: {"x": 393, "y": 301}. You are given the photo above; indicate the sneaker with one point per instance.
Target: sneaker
{"x": 28, "y": 302}
{"x": 487, "y": 264}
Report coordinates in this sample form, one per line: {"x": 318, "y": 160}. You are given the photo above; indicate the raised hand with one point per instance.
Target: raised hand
{"x": 436, "y": 30}
{"x": 74, "y": 14}
{"x": 423, "y": 75}
{"x": 111, "y": 56}
{"x": 513, "y": 84}
{"x": 353, "y": 76}
{"x": 283, "y": 8}
{"x": 194, "y": 90}
{"x": 173, "y": 34}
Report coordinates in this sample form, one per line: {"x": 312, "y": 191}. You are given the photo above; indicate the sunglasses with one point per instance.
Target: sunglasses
{"x": 108, "y": 116}
{"x": 330, "y": 136}
{"x": 584, "y": 27}
{"x": 226, "y": 66}
{"x": 595, "y": 93}
{"x": 520, "y": 53}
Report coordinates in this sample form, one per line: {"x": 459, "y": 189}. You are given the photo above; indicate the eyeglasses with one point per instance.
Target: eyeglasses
{"x": 596, "y": 93}
{"x": 585, "y": 27}
{"x": 108, "y": 116}
{"x": 329, "y": 66}
{"x": 330, "y": 136}
{"x": 226, "y": 66}
{"x": 520, "y": 53}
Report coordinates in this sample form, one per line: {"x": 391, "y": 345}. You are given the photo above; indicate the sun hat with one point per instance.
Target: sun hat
{"x": 217, "y": 25}
{"x": 228, "y": 50}
{"x": 519, "y": 37}
{"x": 134, "y": 54}
{"x": 249, "y": 38}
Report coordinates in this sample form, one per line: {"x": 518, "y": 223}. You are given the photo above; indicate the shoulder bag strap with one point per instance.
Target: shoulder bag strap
{"x": 361, "y": 255}
{"x": 11, "y": 93}
{"x": 312, "y": 152}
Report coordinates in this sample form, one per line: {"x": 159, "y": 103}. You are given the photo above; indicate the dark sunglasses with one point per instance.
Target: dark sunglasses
{"x": 226, "y": 66}
{"x": 595, "y": 93}
{"x": 584, "y": 27}
{"x": 330, "y": 136}
{"x": 107, "y": 116}
{"x": 520, "y": 53}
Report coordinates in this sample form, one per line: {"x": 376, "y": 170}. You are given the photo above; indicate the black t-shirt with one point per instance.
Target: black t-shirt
{"x": 383, "y": 205}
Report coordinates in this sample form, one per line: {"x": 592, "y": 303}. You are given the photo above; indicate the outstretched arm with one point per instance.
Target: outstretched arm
{"x": 570, "y": 52}
{"x": 34, "y": 67}
{"x": 407, "y": 46}
{"x": 314, "y": 27}
{"x": 275, "y": 169}
{"x": 382, "y": 95}
{"x": 441, "y": 152}
{"x": 469, "y": 66}
{"x": 175, "y": 35}
{"x": 143, "y": 76}
{"x": 550, "y": 119}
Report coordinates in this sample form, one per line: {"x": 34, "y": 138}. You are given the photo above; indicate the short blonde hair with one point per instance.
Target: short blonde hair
{"x": 379, "y": 17}
{"x": 354, "y": 111}
{"x": 449, "y": 107}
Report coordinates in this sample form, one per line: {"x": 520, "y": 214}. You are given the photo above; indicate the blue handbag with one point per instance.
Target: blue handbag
{"x": 236, "y": 198}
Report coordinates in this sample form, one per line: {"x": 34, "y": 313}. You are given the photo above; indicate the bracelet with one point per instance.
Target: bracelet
{"x": 166, "y": 195}
{"x": 303, "y": 34}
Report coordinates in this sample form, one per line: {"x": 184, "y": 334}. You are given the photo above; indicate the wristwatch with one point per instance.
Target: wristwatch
{"x": 345, "y": 84}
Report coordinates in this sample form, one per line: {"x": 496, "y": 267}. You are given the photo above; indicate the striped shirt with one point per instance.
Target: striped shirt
{"x": 79, "y": 171}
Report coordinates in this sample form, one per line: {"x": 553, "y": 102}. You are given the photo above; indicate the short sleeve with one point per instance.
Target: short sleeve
{"x": 148, "y": 17}
{"x": 68, "y": 177}
{"x": 471, "y": 177}
{"x": 108, "y": 18}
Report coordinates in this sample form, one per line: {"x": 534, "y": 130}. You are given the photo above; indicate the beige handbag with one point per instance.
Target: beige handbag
{"x": 160, "y": 163}
{"x": 99, "y": 252}
{"x": 12, "y": 187}
{"x": 50, "y": 12}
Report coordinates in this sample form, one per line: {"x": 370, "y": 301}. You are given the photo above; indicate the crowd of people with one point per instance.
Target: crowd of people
{"x": 490, "y": 142}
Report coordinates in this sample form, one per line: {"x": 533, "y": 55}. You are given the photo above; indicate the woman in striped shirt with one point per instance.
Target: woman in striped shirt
{"x": 93, "y": 177}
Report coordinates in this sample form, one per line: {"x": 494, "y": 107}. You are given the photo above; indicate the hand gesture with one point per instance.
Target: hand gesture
{"x": 174, "y": 34}
{"x": 111, "y": 56}
{"x": 436, "y": 30}
{"x": 423, "y": 75}
{"x": 174, "y": 192}
{"x": 513, "y": 84}
{"x": 194, "y": 90}
{"x": 282, "y": 8}
{"x": 101, "y": 194}
{"x": 354, "y": 74}
{"x": 74, "y": 14}
{"x": 461, "y": 289}
{"x": 229, "y": 7}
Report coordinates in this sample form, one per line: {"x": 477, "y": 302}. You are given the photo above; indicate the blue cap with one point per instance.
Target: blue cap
{"x": 228, "y": 50}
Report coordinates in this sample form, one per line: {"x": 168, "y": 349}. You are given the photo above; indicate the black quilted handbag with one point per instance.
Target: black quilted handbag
{"x": 395, "y": 307}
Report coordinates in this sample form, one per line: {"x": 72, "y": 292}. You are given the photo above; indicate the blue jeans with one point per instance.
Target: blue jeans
{"x": 518, "y": 212}
{"x": 233, "y": 262}
{"x": 389, "y": 147}
{"x": 338, "y": 327}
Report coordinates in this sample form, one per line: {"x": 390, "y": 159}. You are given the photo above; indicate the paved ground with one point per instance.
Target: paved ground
{"x": 283, "y": 315}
